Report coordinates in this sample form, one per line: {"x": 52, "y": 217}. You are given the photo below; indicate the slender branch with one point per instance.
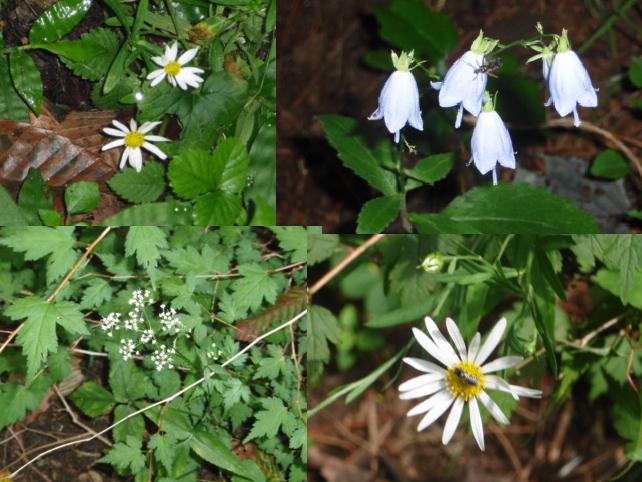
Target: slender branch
{"x": 345, "y": 262}
{"x": 165, "y": 400}
{"x": 76, "y": 420}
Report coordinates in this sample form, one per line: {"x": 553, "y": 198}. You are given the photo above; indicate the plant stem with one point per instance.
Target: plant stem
{"x": 401, "y": 179}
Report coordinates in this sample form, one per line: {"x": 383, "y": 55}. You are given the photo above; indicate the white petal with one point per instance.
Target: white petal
{"x": 171, "y": 52}
{"x": 453, "y": 420}
{"x": 424, "y": 366}
{"x": 172, "y": 80}
{"x": 526, "y": 392}
{"x": 148, "y": 126}
{"x": 434, "y": 414}
{"x": 476, "y": 422}
{"x": 399, "y": 100}
{"x": 502, "y": 363}
{"x": 491, "y": 342}
{"x": 459, "y": 79}
{"x": 436, "y": 85}
{"x": 124, "y": 157}
{"x": 136, "y": 159}
{"x": 420, "y": 381}
{"x": 154, "y": 150}
{"x": 460, "y": 115}
{"x": 181, "y": 83}
{"x": 423, "y": 391}
{"x": 158, "y": 80}
{"x": 157, "y": 138}
{"x": 187, "y": 78}
{"x": 187, "y": 56}
{"x": 433, "y": 349}
{"x": 120, "y": 125}
{"x": 455, "y": 335}
{"x": 473, "y": 348}
{"x": 429, "y": 403}
{"x": 496, "y": 383}
{"x": 439, "y": 339}
{"x": 111, "y": 145}
{"x": 155, "y": 73}
{"x": 192, "y": 70}
{"x": 114, "y": 132}
{"x": 376, "y": 115}
{"x": 132, "y": 124}
{"x": 493, "y": 408}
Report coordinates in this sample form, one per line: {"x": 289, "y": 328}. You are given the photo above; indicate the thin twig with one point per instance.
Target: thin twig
{"x": 76, "y": 420}
{"x": 344, "y": 262}
{"x": 510, "y": 451}
{"x": 165, "y": 400}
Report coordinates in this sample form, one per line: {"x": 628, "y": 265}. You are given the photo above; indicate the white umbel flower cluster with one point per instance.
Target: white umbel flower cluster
{"x": 463, "y": 379}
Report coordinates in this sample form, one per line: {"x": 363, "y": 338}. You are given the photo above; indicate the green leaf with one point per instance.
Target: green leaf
{"x": 610, "y": 164}
{"x": 128, "y": 382}
{"x": 255, "y": 286}
{"x": 117, "y": 69}
{"x": 58, "y": 20}
{"x": 378, "y": 213}
{"x": 92, "y": 399}
{"x": 357, "y": 154}
{"x": 152, "y": 214}
{"x": 193, "y": 172}
{"x": 26, "y": 79}
{"x": 82, "y": 197}
{"x": 295, "y": 239}
{"x": 89, "y": 57}
{"x": 507, "y": 209}
{"x": 233, "y": 156}
{"x": 212, "y": 449}
{"x": 218, "y": 103}
{"x": 433, "y": 168}
{"x": 145, "y": 242}
{"x": 322, "y": 328}
{"x": 158, "y": 100}
{"x": 610, "y": 280}
{"x": 262, "y": 172}
{"x": 140, "y": 187}
{"x": 269, "y": 420}
{"x": 11, "y": 105}
{"x": 126, "y": 456}
{"x": 17, "y": 399}
{"x": 34, "y": 196}
{"x": 321, "y": 246}
{"x": 217, "y": 209}
{"x": 38, "y": 334}
{"x": 10, "y": 214}
{"x": 163, "y": 451}
{"x": 634, "y": 214}
{"x": 97, "y": 292}
{"x": 38, "y": 242}
{"x": 404, "y": 314}
{"x": 635, "y": 71}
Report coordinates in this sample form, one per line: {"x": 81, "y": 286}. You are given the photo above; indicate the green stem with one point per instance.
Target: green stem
{"x": 516, "y": 43}
{"x": 172, "y": 14}
{"x": 401, "y": 179}
{"x": 606, "y": 26}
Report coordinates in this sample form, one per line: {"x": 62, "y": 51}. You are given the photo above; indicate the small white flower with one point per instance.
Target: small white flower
{"x": 147, "y": 336}
{"x": 491, "y": 142}
{"x": 464, "y": 380}
{"x": 110, "y": 323}
{"x": 464, "y": 83}
{"x": 170, "y": 320}
{"x": 569, "y": 81}
{"x": 175, "y": 70}
{"x": 163, "y": 357}
{"x": 128, "y": 348}
{"x": 399, "y": 98}
{"x": 134, "y": 138}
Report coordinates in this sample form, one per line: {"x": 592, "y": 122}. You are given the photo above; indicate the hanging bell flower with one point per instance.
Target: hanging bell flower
{"x": 491, "y": 143}
{"x": 399, "y": 98}
{"x": 465, "y": 81}
{"x": 569, "y": 81}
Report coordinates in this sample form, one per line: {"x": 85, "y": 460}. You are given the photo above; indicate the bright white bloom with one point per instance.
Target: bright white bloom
{"x": 491, "y": 143}
{"x": 110, "y": 323}
{"x": 569, "y": 82}
{"x": 175, "y": 70}
{"x": 465, "y": 379}
{"x": 147, "y": 336}
{"x": 163, "y": 357}
{"x": 140, "y": 298}
{"x": 399, "y": 98}
{"x": 169, "y": 319}
{"x": 465, "y": 81}
{"x": 134, "y": 138}
{"x": 128, "y": 348}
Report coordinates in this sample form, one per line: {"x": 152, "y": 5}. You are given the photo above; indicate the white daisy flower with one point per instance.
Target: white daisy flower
{"x": 399, "y": 98}
{"x": 569, "y": 81}
{"x": 175, "y": 69}
{"x": 134, "y": 138}
{"x": 464, "y": 380}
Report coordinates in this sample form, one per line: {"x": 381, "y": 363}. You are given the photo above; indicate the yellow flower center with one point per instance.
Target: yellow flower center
{"x": 465, "y": 380}
{"x": 134, "y": 139}
{"x": 173, "y": 68}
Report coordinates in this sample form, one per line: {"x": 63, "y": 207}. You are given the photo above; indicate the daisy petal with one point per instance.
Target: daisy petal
{"x": 120, "y": 125}
{"x": 501, "y": 363}
{"x": 496, "y": 383}
{"x": 155, "y": 73}
{"x": 157, "y": 138}
{"x": 493, "y": 408}
{"x": 423, "y": 391}
{"x": 181, "y": 82}
{"x": 491, "y": 342}
{"x": 187, "y": 56}
{"x": 124, "y": 157}
{"x": 114, "y": 132}
{"x": 160, "y": 61}
{"x": 453, "y": 420}
{"x": 148, "y": 126}
{"x": 111, "y": 145}
{"x": 428, "y": 345}
{"x": 192, "y": 70}
{"x": 473, "y": 348}
{"x": 476, "y": 422}
{"x": 171, "y": 52}
{"x": 154, "y": 150}
{"x": 424, "y": 366}
{"x": 136, "y": 159}
{"x": 435, "y": 413}
{"x": 456, "y": 337}
{"x": 526, "y": 392}
{"x": 132, "y": 124}
{"x": 429, "y": 403}
{"x": 158, "y": 80}
{"x": 438, "y": 338}
{"x": 420, "y": 381}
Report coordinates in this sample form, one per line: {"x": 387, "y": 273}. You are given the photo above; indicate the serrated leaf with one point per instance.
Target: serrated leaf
{"x": 356, "y": 153}
{"x": 145, "y": 242}
{"x": 378, "y": 213}
{"x": 126, "y": 456}
{"x": 610, "y": 164}
{"x": 92, "y": 399}
{"x": 96, "y": 293}
{"x": 140, "y": 187}
{"x": 26, "y": 79}
{"x": 58, "y": 20}
{"x": 269, "y": 420}
{"x": 516, "y": 208}
{"x": 293, "y": 239}
{"x": 82, "y": 197}
{"x": 255, "y": 286}
{"x": 152, "y": 214}
{"x": 38, "y": 335}
{"x": 11, "y": 105}
{"x": 217, "y": 209}
{"x": 163, "y": 449}
{"x": 433, "y": 168}
{"x": 194, "y": 172}
{"x": 322, "y": 329}
{"x": 91, "y": 55}
{"x": 17, "y": 399}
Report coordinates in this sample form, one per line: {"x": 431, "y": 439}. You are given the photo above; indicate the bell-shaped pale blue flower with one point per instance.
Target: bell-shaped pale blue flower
{"x": 465, "y": 81}
{"x": 491, "y": 143}
{"x": 569, "y": 82}
{"x": 399, "y": 98}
